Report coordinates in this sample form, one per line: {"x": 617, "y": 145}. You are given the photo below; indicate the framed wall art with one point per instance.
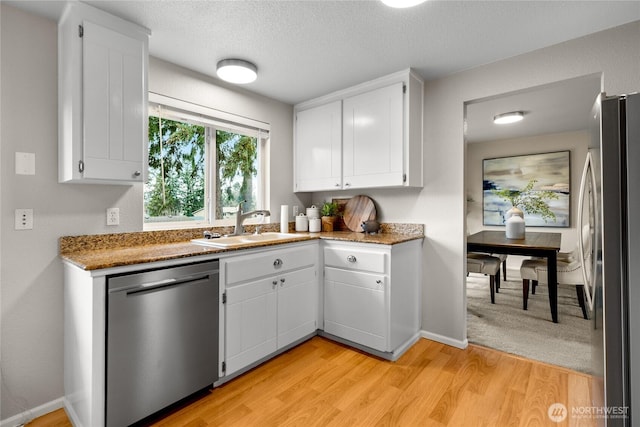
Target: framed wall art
{"x": 549, "y": 171}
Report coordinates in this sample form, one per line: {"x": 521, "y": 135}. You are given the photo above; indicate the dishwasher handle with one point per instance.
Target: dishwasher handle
{"x": 160, "y": 284}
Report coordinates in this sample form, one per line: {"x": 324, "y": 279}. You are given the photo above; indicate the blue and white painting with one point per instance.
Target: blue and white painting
{"x": 552, "y": 172}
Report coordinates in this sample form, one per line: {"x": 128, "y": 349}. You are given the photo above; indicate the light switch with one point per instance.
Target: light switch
{"x": 25, "y": 163}
{"x": 24, "y": 219}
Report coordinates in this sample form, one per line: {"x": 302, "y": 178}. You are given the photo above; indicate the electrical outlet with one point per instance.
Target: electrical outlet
{"x": 113, "y": 216}
{"x": 24, "y": 219}
{"x": 295, "y": 210}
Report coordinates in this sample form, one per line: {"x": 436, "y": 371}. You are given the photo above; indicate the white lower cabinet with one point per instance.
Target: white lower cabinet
{"x": 270, "y": 301}
{"x": 250, "y": 323}
{"x": 372, "y": 294}
{"x": 354, "y": 303}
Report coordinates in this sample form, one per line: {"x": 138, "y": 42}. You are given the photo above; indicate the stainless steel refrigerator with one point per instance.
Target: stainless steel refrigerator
{"x": 610, "y": 206}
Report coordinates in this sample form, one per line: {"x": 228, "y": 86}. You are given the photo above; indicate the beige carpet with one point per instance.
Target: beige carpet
{"x": 505, "y": 326}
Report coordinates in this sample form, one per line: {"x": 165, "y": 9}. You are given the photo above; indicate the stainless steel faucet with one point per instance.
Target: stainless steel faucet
{"x": 241, "y": 216}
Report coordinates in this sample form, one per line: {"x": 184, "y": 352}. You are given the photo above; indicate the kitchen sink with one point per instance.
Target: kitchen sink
{"x": 247, "y": 239}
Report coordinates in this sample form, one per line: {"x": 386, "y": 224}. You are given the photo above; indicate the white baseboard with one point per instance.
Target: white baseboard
{"x": 404, "y": 347}
{"x": 445, "y": 340}
{"x": 29, "y": 415}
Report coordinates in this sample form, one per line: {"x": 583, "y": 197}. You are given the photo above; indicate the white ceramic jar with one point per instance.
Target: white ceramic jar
{"x": 514, "y": 225}
{"x": 302, "y": 222}
{"x": 315, "y": 225}
{"x": 313, "y": 212}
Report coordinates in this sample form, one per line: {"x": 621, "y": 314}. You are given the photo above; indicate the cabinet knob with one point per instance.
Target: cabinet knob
{"x": 379, "y": 282}
{"x": 282, "y": 282}
{"x": 337, "y": 184}
{"x": 274, "y": 283}
{"x": 277, "y": 263}
{"x": 137, "y": 173}
{"x": 347, "y": 184}
{"x": 351, "y": 258}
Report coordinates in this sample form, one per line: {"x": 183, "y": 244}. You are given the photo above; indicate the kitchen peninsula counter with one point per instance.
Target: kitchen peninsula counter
{"x": 95, "y": 252}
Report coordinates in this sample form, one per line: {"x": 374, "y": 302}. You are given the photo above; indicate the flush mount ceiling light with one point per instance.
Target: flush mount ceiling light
{"x": 506, "y": 118}
{"x": 237, "y": 71}
{"x": 402, "y": 3}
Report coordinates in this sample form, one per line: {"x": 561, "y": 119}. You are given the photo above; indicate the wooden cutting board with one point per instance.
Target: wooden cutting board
{"x": 357, "y": 210}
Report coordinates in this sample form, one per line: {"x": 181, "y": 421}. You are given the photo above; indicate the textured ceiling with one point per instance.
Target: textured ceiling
{"x": 305, "y": 49}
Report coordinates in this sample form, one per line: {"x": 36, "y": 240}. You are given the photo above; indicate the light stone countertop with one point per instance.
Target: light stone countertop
{"x": 95, "y": 252}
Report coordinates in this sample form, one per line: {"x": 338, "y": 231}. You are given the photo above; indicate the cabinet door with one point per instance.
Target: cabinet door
{"x": 356, "y": 307}
{"x": 297, "y": 305}
{"x": 373, "y": 138}
{"x": 114, "y": 117}
{"x": 318, "y": 148}
{"x": 250, "y": 323}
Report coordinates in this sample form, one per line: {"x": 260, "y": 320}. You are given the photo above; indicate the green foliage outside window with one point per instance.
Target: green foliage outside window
{"x": 176, "y": 168}
{"x": 175, "y": 190}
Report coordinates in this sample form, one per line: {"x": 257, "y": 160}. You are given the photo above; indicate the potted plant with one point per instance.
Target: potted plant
{"x": 328, "y": 212}
{"x": 531, "y": 201}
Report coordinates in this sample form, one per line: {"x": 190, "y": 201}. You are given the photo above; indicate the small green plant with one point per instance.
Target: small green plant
{"x": 529, "y": 200}
{"x": 329, "y": 209}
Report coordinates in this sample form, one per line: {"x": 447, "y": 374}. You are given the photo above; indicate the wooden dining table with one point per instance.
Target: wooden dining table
{"x": 539, "y": 244}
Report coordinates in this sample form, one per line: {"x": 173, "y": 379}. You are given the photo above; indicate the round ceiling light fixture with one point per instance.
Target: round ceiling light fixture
{"x": 401, "y": 4}
{"x": 506, "y": 118}
{"x": 237, "y": 71}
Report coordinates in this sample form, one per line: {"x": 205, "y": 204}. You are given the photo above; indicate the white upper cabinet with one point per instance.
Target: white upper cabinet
{"x": 318, "y": 150}
{"x": 371, "y": 132}
{"x": 373, "y": 138}
{"x": 102, "y": 97}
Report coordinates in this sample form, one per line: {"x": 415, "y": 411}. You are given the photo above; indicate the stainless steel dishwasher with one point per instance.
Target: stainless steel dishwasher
{"x": 162, "y": 339}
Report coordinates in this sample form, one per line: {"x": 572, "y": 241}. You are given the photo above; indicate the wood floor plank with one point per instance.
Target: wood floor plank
{"x": 322, "y": 383}
{"x": 546, "y": 387}
{"x": 414, "y": 406}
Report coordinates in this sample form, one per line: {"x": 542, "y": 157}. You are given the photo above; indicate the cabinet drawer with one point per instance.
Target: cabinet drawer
{"x": 355, "y": 259}
{"x": 269, "y": 263}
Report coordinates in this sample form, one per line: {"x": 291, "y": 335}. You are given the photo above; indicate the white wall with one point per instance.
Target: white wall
{"x": 31, "y": 277}
{"x": 31, "y": 305}
{"x": 614, "y": 53}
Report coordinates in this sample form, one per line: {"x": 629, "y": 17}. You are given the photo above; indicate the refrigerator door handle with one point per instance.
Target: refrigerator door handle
{"x": 589, "y": 279}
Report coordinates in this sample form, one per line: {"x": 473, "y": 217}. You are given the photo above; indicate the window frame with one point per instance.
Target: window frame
{"x": 213, "y": 120}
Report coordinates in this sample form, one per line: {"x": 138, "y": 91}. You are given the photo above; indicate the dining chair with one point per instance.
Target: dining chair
{"x": 487, "y": 265}
{"x": 503, "y": 262}
{"x": 569, "y": 269}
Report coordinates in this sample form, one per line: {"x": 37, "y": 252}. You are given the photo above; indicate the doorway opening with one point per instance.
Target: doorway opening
{"x": 556, "y": 118}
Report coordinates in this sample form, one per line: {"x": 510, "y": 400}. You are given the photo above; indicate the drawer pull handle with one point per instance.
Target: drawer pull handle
{"x": 351, "y": 258}
{"x": 277, "y": 263}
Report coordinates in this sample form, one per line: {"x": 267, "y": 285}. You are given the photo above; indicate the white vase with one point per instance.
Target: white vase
{"x": 514, "y": 224}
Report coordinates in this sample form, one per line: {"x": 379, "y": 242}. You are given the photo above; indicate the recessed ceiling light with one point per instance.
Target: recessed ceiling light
{"x": 237, "y": 71}
{"x": 402, "y": 3}
{"x": 506, "y": 118}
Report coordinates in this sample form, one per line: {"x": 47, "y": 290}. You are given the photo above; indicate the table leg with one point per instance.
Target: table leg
{"x": 552, "y": 280}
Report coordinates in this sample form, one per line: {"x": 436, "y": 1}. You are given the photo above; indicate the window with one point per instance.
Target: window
{"x": 202, "y": 164}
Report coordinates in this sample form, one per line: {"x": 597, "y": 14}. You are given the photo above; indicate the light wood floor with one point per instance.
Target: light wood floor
{"x": 321, "y": 383}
